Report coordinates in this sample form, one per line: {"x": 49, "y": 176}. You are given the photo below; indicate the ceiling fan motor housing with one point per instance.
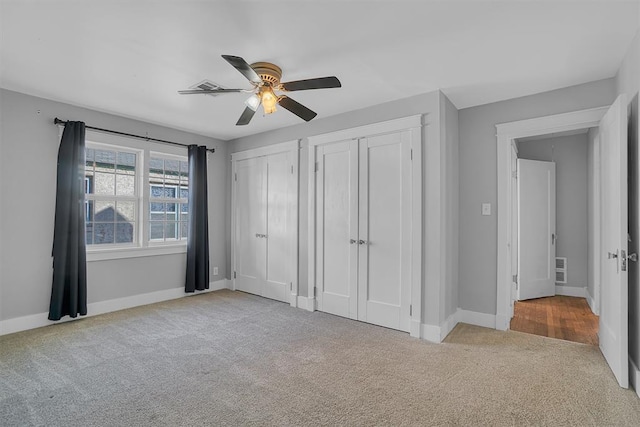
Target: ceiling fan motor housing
{"x": 268, "y": 72}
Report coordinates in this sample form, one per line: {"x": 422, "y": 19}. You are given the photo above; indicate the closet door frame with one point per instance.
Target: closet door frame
{"x": 412, "y": 124}
{"x": 292, "y": 148}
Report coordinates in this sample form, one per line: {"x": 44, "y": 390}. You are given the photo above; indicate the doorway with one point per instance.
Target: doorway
{"x": 554, "y": 236}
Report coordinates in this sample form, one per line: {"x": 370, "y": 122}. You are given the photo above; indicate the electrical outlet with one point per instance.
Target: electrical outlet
{"x": 486, "y": 209}
{"x": 215, "y": 271}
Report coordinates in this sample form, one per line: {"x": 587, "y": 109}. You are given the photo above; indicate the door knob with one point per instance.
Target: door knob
{"x": 612, "y": 255}
{"x": 362, "y": 242}
{"x": 633, "y": 257}
{"x": 352, "y": 241}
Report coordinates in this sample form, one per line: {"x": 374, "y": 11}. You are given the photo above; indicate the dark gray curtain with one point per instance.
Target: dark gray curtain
{"x": 198, "y": 239}
{"x": 69, "y": 288}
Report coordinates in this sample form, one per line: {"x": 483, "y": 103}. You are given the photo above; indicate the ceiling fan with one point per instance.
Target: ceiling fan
{"x": 265, "y": 78}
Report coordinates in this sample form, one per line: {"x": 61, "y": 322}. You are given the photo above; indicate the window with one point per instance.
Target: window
{"x": 134, "y": 198}
{"x": 111, "y": 196}
{"x": 168, "y": 193}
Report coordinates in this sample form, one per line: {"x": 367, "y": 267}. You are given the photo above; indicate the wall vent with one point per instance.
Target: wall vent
{"x": 561, "y": 270}
{"x": 207, "y": 85}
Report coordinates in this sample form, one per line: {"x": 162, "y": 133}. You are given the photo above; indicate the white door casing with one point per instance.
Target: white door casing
{"x": 613, "y": 322}
{"x": 506, "y": 134}
{"x": 536, "y": 228}
{"x": 514, "y": 225}
{"x": 264, "y": 221}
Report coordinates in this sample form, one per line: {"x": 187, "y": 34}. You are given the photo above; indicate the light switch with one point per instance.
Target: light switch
{"x": 215, "y": 271}
{"x": 486, "y": 209}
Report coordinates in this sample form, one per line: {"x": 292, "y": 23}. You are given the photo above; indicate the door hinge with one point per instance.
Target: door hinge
{"x": 236, "y": 177}
{"x": 234, "y": 274}
{"x": 411, "y": 151}
{"x": 515, "y": 280}
{"x": 315, "y": 292}
{"x": 514, "y": 174}
{"x": 410, "y": 310}
{"x": 290, "y": 286}
{"x": 291, "y": 169}
{"x": 317, "y": 166}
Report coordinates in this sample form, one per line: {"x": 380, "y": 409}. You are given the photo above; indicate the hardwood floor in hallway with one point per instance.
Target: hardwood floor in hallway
{"x": 566, "y": 318}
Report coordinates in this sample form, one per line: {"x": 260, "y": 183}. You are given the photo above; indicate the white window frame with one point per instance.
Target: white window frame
{"x": 177, "y": 200}
{"x": 143, "y": 248}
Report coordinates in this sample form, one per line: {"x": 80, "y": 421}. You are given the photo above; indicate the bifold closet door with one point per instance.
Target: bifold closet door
{"x": 337, "y": 228}
{"x": 384, "y": 224}
{"x": 251, "y": 247}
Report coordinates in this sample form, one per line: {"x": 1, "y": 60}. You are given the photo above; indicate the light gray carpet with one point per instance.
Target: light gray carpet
{"x": 228, "y": 358}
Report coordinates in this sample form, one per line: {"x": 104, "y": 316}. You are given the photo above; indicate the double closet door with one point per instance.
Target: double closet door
{"x": 264, "y": 202}
{"x": 363, "y": 229}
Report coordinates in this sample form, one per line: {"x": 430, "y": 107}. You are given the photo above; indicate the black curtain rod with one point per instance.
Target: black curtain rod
{"x": 57, "y": 121}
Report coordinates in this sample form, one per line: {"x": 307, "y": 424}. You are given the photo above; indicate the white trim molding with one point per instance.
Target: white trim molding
{"x": 634, "y": 376}
{"x": 593, "y": 305}
{"x": 506, "y": 134}
{"x": 431, "y": 333}
{"x": 571, "y": 291}
{"x": 32, "y": 321}
{"x": 266, "y": 150}
{"x": 379, "y": 128}
{"x": 306, "y": 303}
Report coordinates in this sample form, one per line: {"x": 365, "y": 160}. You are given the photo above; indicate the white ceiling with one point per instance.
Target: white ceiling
{"x": 130, "y": 58}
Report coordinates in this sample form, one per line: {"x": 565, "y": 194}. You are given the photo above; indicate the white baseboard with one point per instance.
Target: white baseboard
{"x": 415, "y": 329}
{"x": 475, "y": 318}
{"x": 634, "y": 376}
{"x": 448, "y": 325}
{"x": 32, "y": 321}
{"x": 592, "y": 304}
{"x": 306, "y": 303}
{"x": 571, "y": 291}
{"x": 502, "y": 322}
{"x": 431, "y": 333}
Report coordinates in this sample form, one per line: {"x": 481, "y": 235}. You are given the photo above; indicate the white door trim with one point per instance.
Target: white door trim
{"x": 506, "y": 134}
{"x": 293, "y": 148}
{"x": 414, "y": 125}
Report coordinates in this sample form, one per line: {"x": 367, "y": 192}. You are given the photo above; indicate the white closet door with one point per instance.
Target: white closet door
{"x": 336, "y": 228}
{"x": 278, "y": 183}
{"x": 251, "y": 199}
{"x": 384, "y": 230}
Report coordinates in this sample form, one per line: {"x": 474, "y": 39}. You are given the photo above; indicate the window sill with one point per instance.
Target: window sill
{"x": 121, "y": 253}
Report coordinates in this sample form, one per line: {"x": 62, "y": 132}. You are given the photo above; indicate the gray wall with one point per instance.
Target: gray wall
{"x": 29, "y": 146}
{"x": 570, "y": 156}
{"x": 478, "y": 179}
{"x": 628, "y": 82}
{"x": 439, "y": 187}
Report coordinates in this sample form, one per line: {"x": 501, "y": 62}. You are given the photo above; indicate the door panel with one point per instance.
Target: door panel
{"x": 536, "y": 228}
{"x": 250, "y": 224}
{"x": 614, "y": 287}
{"x": 384, "y": 226}
{"x": 278, "y": 178}
{"x": 336, "y": 216}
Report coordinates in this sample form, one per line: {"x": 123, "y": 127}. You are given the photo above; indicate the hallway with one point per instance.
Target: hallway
{"x": 566, "y": 318}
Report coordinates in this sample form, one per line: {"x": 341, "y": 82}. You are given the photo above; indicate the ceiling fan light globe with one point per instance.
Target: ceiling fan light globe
{"x": 253, "y": 102}
{"x": 269, "y": 101}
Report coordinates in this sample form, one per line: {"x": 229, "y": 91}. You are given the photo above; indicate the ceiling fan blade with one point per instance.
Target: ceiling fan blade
{"x": 246, "y": 117}
{"x": 296, "y": 108}
{"x": 319, "y": 83}
{"x": 206, "y": 91}
{"x": 242, "y": 66}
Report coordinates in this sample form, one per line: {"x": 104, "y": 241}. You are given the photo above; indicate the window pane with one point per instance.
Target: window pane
{"x": 184, "y": 207}
{"x": 184, "y": 230}
{"x": 170, "y": 192}
{"x": 89, "y": 156}
{"x": 171, "y": 168}
{"x": 88, "y": 210}
{"x": 156, "y": 168}
{"x": 156, "y": 230}
{"x": 104, "y": 183}
{"x": 124, "y": 233}
{"x": 157, "y": 191}
{"x": 184, "y": 171}
{"x": 156, "y": 207}
{"x": 105, "y": 210}
{"x": 125, "y": 185}
{"x": 88, "y": 232}
{"x": 184, "y": 217}
{"x": 184, "y": 192}
{"x": 88, "y": 183}
{"x": 105, "y": 160}
{"x": 126, "y": 163}
{"x": 157, "y": 216}
{"x": 103, "y": 233}
{"x": 170, "y": 230}
{"x": 126, "y": 211}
